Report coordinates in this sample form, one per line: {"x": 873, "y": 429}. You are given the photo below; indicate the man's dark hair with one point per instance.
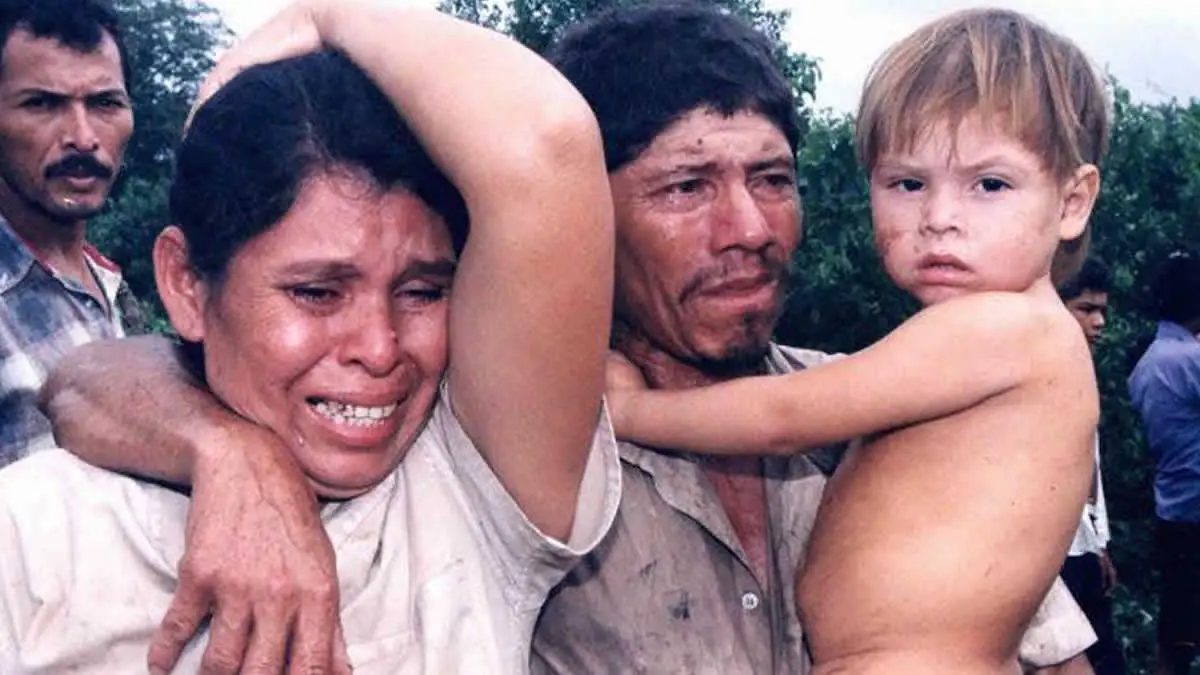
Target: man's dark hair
{"x": 78, "y": 24}
{"x": 1176, "y": 288}
{"x": 1093, "y": 276}
{"x": 642, "y": 68}
{"x": 253, "y": 145}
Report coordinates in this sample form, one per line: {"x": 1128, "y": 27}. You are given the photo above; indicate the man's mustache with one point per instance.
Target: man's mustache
{"x": 79, "y": 166}
{"x": 775, "y": 268}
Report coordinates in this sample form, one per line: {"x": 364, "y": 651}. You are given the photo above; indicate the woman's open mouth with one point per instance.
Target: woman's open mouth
{"x": 350, "y": 414}
{"x": 355, "y": 426}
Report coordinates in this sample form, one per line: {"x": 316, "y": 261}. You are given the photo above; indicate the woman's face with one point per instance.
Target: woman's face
{"x": 330, "y": 329}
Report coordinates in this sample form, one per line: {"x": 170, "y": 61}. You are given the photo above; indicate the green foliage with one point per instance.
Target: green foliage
{"x": 126, "y": 231}
{"x": 1150, "y": 202}
{"x": 171, "y": 45}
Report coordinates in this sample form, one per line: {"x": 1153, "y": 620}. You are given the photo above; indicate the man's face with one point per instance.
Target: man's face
{"x": 65, "y": 120}
{"x": 707, "y": 219}
{"x": 1089, "y": 308}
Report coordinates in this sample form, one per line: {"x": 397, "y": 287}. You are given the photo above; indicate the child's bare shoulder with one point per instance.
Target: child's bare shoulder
{"x": 1033, "y": 334}
{"x": 998, "y": 319}
{"x": 1027, "y": 337}
{"x": 1017, "y": 308}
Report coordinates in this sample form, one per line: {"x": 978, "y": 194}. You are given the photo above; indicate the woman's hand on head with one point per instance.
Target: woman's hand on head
{"x": 257, "y": 564}
{"x": 294, "y": 31}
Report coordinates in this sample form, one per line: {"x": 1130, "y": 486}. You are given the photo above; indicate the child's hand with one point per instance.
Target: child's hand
{"x": 621, "y": 374}
{"x": 623, "y": 379}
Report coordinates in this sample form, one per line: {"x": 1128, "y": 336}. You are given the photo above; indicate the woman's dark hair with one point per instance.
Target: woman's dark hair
{"x": 255, "y": 143}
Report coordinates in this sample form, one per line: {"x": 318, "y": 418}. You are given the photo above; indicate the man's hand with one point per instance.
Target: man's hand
{"x": 1108, "y": 572}
{"x": 259, "y": 563}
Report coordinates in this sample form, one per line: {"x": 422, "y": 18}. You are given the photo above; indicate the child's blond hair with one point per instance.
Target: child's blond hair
{"x": 1037, "y": 85}
{"x": 999, "y": 63}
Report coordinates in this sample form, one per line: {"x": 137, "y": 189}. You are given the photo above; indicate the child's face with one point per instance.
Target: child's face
{"x": 973, "y": 211}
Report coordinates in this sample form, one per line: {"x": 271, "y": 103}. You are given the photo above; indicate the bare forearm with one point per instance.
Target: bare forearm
{"x": 133, "y": 406}
{"x": 886, "y": 386}
{"x": 254, "y": 536}
{"x": 743, "y": 417}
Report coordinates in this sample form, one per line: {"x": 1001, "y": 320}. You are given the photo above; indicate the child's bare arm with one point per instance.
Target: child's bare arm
{"x": 947, "y": 358}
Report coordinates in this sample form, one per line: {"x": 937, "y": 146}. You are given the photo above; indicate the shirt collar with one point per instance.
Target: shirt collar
{"x": 15, "y": 257}
{"x": 1169, "y": 330}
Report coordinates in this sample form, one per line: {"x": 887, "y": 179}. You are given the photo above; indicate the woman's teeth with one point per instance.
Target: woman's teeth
{"x": 355, "y": 415}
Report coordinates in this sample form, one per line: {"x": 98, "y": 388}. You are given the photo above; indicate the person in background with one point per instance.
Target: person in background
{"x": 1088, "y": 570}
{"x": 1165, "y": 389}
{"x": 65, "y": 119}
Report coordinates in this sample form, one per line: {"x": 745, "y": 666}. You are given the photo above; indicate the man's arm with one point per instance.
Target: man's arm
{"x": 945, "y": 359}
{"x": 256, "y": 550}
{"x": 110, "y": 403}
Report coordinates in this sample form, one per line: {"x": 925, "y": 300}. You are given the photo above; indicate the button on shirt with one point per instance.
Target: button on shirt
{"x": 671, "y": 589}
{"x": 1165, "y": 389}
{"x": 439, "y": 570}
{"x": 42, "y": 317}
